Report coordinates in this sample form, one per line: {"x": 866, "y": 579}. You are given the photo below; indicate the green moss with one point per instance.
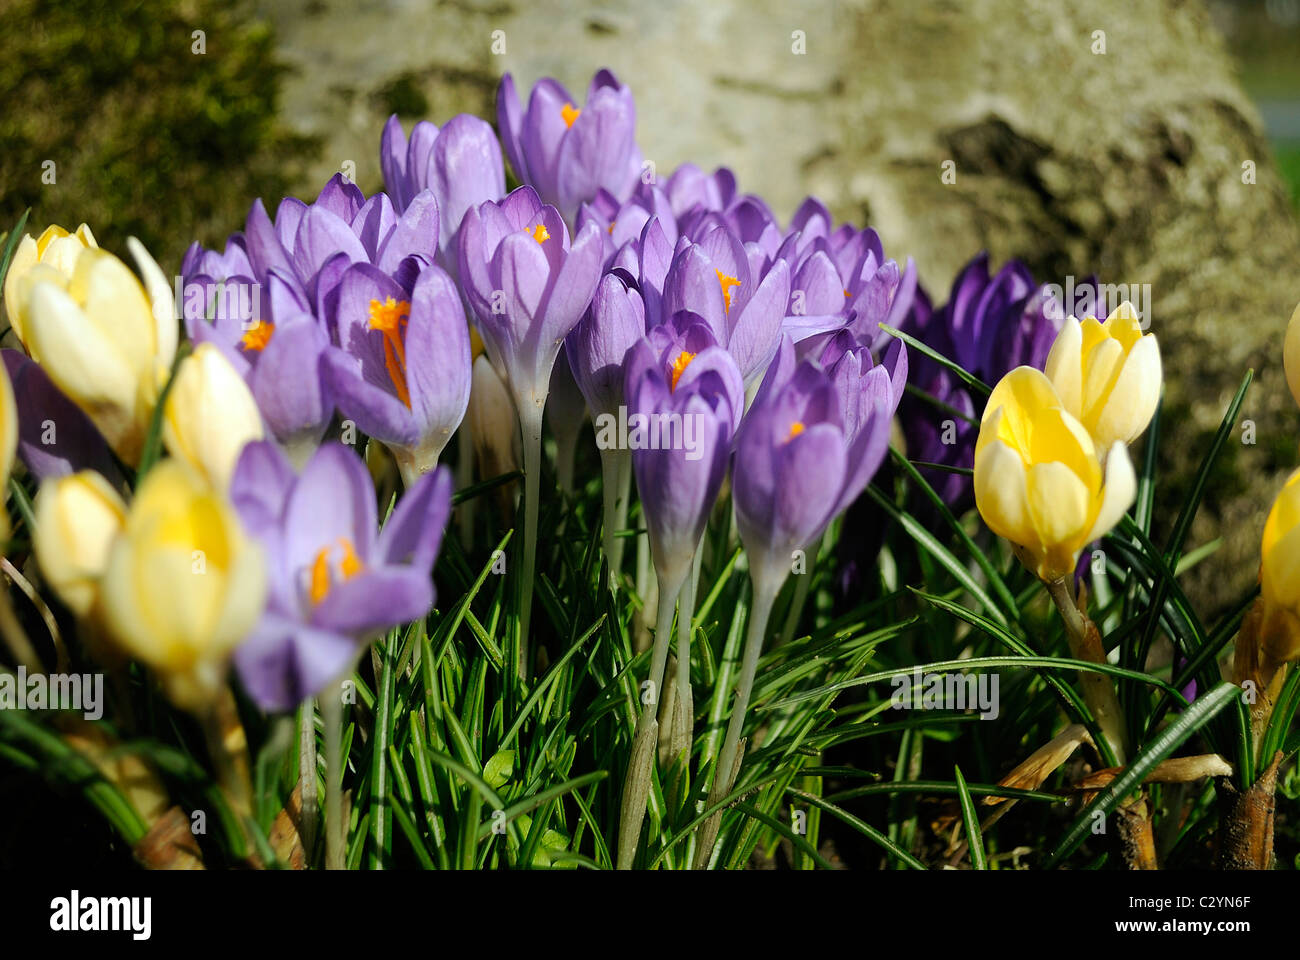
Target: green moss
{"x": 403, "y": 96}
{"x": 148, "y": 136}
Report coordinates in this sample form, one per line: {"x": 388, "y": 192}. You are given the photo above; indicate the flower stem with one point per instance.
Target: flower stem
{"x": 636, "y": 785}
{"x": 1098, "y": 690}
{"x": 684, "y": 713}
{"x": 530, "y": 420}
{"x": 724, "y": 772}
{"x": 801, "y": 587}
{"x": 616, "y": 474}
{"x": 307, "y": 781}
{"x": 331, "y": 708}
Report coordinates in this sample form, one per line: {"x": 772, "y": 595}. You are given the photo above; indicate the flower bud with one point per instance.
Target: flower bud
{"x": 183, "y": 584}
{"x": 210, "y": 415}
{"x": 1107, "y": 375}
{"x": 77, "y": 518}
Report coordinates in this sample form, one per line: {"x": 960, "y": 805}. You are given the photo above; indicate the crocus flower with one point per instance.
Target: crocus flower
{"x": 713, "y": 278}
{"x": 459, "y": 164}
{"x": 685, "y": 400}
{"x": 690, "y": 188}
{"x": 413, "y": 406}
{"x": 105, "y": 338}
{"x": 566, "y": 152}
{"x": 183, "y": 584}
{"x": 989, "y": 326}
{"x": 266, "y": 329}
{"x": 528, "y": 289}
{"x": 809, "y": 445}
{"x": 596, "y": 350}
{"x": 209, "y": 415}
{"x": 622, "y": 224}
{"x": 598, "y": 344}
{"x": 1038, "y": 477}
{"x": 77, "y": 518}
{"x": 335, "y": 579}
{"x": 54, "y": 248}
{"x": 55, "y": 437}
{"x": 1107, "y": 375}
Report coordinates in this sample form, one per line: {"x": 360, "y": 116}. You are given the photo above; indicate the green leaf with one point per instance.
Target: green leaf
{"x": 973, "y": 835}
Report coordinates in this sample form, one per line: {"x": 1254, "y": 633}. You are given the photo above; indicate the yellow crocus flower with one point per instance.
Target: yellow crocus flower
{"x": 1107, "y": 375}
{"x": 56, "y": 249}
{"x": 77, "y": 518}
{"x": 210, "y": 414}
{"x": 106, "y": 338}
{"x": 1038, "y": 479}
{"x": 183, "y": 584}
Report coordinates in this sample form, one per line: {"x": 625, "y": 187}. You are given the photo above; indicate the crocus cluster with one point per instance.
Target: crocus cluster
{"x": 714, "y": 346}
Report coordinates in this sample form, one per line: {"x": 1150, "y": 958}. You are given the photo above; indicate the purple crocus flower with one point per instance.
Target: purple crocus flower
{"x": 265, "y": 300}
{"x": 411, "y": 407}
{"x": 599, "y": 343}
{"x": 335, "y": 580}
{"x": 714, "y": 278}
{"x": 623, "y": 224}
{"x": 527, "y": 287}
{"x": 685, "y": 400}
{"x": 809, "y": 445}
{"x": 264, "y": 326}
{"x": 989, "y": 326}
{"x": 459, "y": 164}
{"x": 55, "y": 437}
{"x": 842, "y": 277}
{"x": 690, "y": 188}
{"x": 568, "y": 153}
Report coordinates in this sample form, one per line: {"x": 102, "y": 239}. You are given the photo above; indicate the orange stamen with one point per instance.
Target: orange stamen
{"x": 257, "y": 336}
{"x": 390, "y": 317}
{"x": 349, "y": 566}
{"x": 678, "y": 367}
{"x": 727, "y": 283}
{"x": 539, "y": 232}
{"x": 570, "y": 113}
{"x": 796, "y": 428}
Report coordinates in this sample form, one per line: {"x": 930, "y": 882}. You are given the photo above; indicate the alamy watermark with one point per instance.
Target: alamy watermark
{"x": 1088, "y": 299}
{"x": 651, "y": 431}
{"x": 55, "y": 691}
{"x": 946, "y": 691}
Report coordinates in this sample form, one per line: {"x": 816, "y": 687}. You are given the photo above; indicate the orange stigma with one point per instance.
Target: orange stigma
{"x": 727, "y": 283}
{"x": 258, "y": 336}
{"x": 570, "y": 113}
{"x": 796, "y": 428}
{"x": 349, "y": 566}
{"x": 539, "y": 233}
{"x": 679, "y": 367}
{"x": 389, "y": 317}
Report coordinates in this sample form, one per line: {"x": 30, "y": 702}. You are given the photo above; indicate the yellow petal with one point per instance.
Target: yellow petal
{"x": 24, "y": 258}
{"x": 1060, "y": 507}
{"x": 1133, "y": 397}
{"x": 1117, "y": 495}
{"x": 1064, "y": 366}
{"x": 77, "y": 518}
{"x": 210, "y": 415}
{"x": 1000, "y": 493}
{"x": 162, "y": 305}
